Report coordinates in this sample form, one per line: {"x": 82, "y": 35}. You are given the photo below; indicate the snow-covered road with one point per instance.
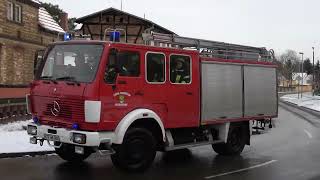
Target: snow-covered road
{"x": 307, "y": 100}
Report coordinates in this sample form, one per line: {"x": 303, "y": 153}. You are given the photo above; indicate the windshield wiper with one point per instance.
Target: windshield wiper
{"x": 48, "y": 78}
{"x": 69, "y": 78}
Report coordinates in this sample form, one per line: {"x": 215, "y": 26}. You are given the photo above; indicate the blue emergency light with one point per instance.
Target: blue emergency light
{"x": 115, "y": 36}
{"x": 67, "y": 37}
{"x": 75, "y": 126}
{"x": 35, "y": 119}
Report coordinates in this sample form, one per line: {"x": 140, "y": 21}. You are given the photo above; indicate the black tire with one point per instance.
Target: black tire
{"x": 66, "y": 152}
{"x": 236, "y": 141}
{"x": 137, "y": 151}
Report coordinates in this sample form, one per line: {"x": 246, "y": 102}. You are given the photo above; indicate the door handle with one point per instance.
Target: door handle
{"x": 114, "y": 87}
{"x": 189, "y": 93}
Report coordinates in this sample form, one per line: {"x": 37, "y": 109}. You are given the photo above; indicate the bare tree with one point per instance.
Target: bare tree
{"x": 288, "y": 64}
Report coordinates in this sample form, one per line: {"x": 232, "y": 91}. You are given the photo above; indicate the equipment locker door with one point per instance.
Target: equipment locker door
{"x": 183, "y": 91}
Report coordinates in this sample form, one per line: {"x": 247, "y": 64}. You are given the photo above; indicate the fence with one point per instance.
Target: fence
{"x": 13, "y": 104}
{"x": 303, "y": 88}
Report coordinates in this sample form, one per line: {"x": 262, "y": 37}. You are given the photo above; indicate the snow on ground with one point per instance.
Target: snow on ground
{"x": 307, "y": 100}
{"x": 14, "y": 139}
{"x": 14, "y": 126}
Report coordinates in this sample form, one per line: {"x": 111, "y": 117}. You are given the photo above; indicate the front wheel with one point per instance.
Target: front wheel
{"x": 67, "y": 153}
{"x": 235, "y": 143}
{"x": 137, "y": 151}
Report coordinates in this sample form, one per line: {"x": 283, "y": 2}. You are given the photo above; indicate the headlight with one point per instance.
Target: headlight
{"x": 79, "y": 138}
{"x": 32, "y": 130}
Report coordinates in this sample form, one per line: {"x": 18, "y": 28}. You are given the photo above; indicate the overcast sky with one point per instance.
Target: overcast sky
{"x": 277, "y": 24}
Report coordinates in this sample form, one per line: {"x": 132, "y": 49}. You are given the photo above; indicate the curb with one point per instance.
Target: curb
{"x": 308, "y": 110}
{"x": 32, "y": 154}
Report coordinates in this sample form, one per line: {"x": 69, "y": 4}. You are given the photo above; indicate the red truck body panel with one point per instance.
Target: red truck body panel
{"x": 178, "y": 105}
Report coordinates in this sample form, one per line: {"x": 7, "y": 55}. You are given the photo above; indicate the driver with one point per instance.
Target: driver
{"x": 111, "y": 73}
{"x": 82, "y": 69}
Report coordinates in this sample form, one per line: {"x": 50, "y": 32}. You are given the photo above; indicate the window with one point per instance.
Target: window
{"x": 180, "y": 69}
{"x": 155, "y": 67}
{"x": 14, "y": 12}
{"x": 10, "y": 11}
{"x": 129, "y": 64}
{"x": 17, "y": 13}
{"x": 122, "y": 63}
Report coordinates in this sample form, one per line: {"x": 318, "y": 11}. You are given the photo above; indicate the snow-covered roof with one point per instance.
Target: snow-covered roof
{"x": 46, "y": 21}
{"x": 78, "y": 27}
{"x": 36, "y": 1}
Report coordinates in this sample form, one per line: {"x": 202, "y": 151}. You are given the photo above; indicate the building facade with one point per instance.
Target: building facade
{"x": 95, "y": 25}
{"x": 25, "y": 27}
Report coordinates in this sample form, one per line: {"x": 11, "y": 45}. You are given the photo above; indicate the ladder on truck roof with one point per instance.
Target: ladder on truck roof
{"x": 210, "y": 48}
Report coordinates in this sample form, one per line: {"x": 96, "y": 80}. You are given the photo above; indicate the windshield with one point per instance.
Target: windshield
{"x": 77, "y": 63}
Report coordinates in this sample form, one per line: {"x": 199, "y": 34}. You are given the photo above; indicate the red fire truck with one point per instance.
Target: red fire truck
{"x": 130, "y": 100}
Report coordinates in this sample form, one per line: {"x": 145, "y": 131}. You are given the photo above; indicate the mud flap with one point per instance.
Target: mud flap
{"x": 248, "y": 131}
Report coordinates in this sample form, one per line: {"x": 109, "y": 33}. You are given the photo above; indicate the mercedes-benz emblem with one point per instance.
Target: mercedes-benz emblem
{"x": 55, "y": 110}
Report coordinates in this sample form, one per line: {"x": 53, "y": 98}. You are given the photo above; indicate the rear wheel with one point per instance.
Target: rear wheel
{"x": 67, "y": 153}
{"x": 235, "y": 143}
{"x": 137, "y": 151}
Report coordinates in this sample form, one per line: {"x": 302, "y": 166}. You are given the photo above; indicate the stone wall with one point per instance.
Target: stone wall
{"x": 19, "y": 42}
{"x": 16, "y": 63}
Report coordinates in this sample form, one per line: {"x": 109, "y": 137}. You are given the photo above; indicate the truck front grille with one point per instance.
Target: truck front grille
{"x": 69, "y": 110}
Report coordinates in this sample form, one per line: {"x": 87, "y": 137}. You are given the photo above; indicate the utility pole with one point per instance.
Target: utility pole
{"x": 298, "y": 77}
{"x": 312, "y": 71}
{"x": 121, "y": 5}
{"x": 302, "y": 73}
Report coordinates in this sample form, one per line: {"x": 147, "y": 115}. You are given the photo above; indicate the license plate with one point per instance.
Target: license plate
{"x": 51, "y": 137}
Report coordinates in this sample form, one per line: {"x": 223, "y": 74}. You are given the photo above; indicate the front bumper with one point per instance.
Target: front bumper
{"x": 93, "y": 139}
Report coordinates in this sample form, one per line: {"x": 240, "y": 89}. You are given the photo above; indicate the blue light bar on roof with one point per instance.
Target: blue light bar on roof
{"x": 67, "y": 37}
{"x": 115, "y": 36}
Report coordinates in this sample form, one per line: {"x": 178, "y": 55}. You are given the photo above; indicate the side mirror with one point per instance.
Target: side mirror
{"x": 38, "y": 58}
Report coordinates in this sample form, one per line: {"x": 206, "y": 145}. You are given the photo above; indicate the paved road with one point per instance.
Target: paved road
{"x": 289, "y": 151}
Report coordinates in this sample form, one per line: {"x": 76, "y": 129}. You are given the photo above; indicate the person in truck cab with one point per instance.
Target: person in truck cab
{"x": 82, "y": 69}
{"x": 157, "y": 63}
{"x": 79, "y": 62}
{"x": 111, "y": 73}
{"x": 178, "y": 74}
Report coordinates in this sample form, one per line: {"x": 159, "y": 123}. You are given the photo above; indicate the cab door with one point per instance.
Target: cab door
{"x": 122, "y": 83}
{"x": 183, "y": 91}
{"x": 155, "y": 97}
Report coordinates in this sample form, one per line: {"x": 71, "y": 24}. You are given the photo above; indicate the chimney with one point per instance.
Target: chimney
{"x": 64, "y": 21}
